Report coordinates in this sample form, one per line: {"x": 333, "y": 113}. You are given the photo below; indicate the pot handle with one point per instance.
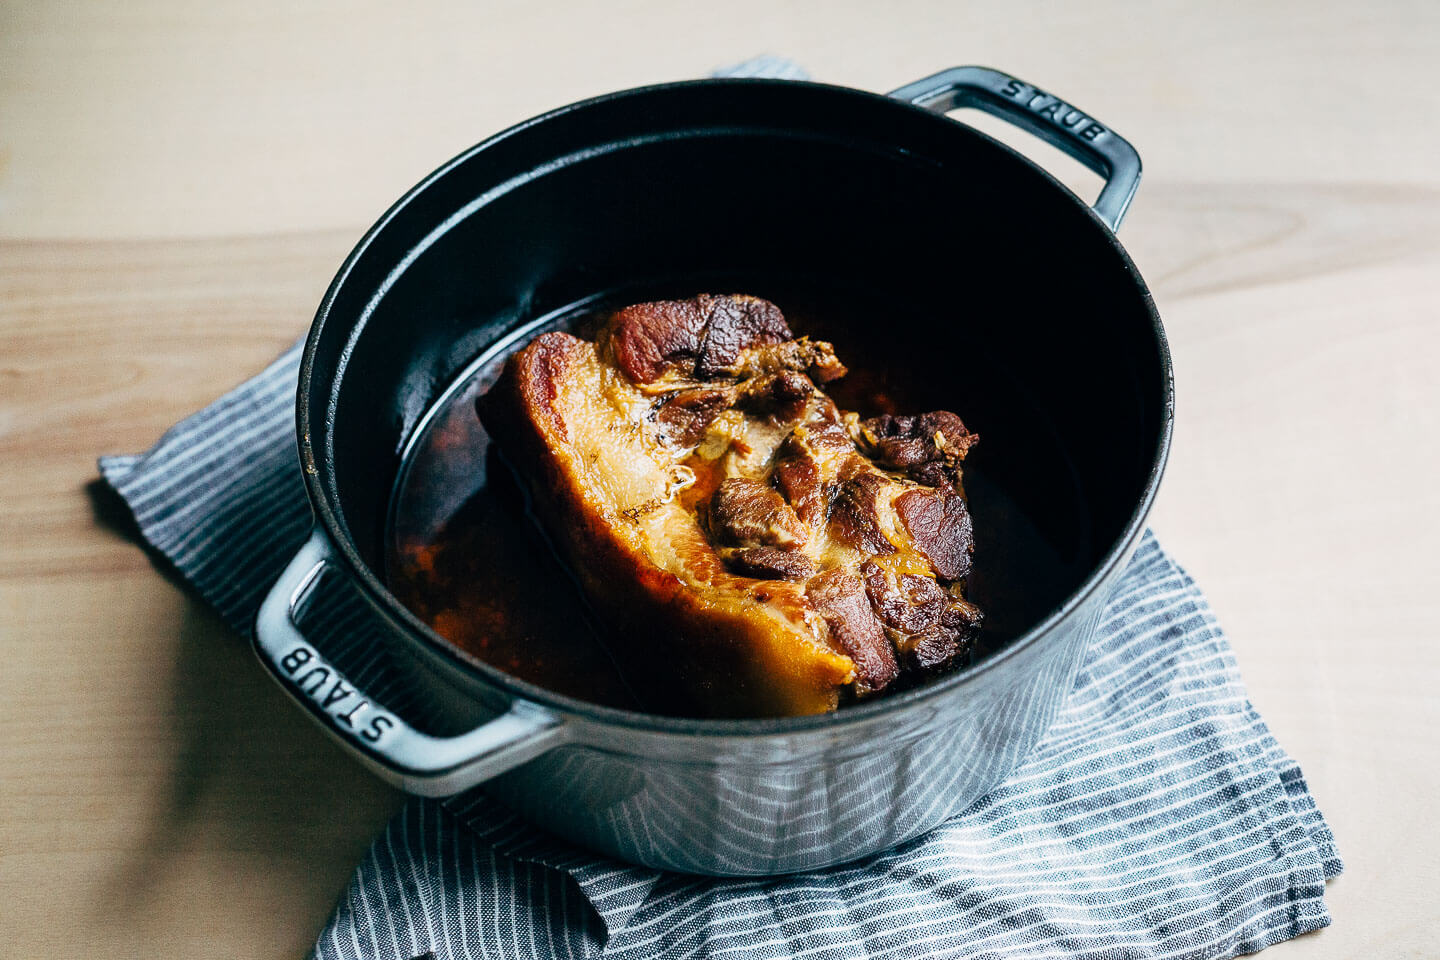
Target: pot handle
{"x": 399, "y": 753}
{"x": 1043, "y": 114}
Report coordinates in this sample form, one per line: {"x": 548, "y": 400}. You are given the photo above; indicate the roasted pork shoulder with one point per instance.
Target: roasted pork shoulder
{"x": 752, "y": 549}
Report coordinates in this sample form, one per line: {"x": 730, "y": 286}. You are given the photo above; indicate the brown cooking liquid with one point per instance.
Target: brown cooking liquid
{"x": 466, "y": 557}
{"x": 468, "y": 560}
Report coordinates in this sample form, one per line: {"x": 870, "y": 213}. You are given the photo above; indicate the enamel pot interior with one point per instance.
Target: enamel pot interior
{"x": 939, "y": 259}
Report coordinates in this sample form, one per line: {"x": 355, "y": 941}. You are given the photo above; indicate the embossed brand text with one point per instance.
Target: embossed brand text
{"x": 322, "y": 684}
{"x": 1054, "y": 109}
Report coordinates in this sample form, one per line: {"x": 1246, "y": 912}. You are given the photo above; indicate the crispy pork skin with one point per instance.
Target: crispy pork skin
{"x": 754, "y": 550}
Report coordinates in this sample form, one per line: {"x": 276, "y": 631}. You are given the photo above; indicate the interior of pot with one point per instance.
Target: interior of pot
{"x": 936, "y": 260}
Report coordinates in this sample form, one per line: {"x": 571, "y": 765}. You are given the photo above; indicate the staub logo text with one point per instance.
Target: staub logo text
{"x": 1054, "y": 109}
{"x": 323, "y": 685}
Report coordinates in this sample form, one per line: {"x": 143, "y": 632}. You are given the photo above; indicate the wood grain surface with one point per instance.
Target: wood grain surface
{"x": 179, "y": 181}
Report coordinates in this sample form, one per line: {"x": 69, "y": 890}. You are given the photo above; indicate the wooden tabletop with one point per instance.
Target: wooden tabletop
{"x": 179, "y": 181}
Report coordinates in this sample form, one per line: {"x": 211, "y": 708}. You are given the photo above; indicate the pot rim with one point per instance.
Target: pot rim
{"x": 376, "y": 593}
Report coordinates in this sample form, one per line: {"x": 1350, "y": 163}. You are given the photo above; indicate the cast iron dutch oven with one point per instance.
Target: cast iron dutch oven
{"x": 990, "y": 286}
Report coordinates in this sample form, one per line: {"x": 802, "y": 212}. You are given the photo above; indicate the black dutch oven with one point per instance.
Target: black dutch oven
{"x": 986, "y": 286}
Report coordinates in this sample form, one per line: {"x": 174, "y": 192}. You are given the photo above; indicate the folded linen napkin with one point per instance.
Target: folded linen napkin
{"x": 1158, "y": 818}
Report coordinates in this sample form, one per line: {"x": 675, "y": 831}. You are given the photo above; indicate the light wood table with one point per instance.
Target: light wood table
{"x": 178, "y": 181}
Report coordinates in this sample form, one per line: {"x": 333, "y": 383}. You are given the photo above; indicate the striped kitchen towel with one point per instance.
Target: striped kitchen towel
{"x": 1158, "y": 818}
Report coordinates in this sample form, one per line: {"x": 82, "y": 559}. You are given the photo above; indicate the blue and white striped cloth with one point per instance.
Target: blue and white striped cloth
{"x": 1158, "y": 818}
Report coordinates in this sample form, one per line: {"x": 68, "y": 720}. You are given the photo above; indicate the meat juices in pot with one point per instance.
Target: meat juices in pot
{"x": 752, "y": 549}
